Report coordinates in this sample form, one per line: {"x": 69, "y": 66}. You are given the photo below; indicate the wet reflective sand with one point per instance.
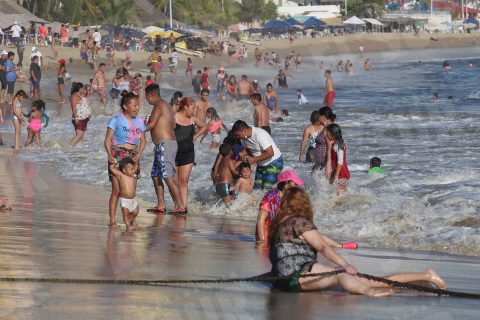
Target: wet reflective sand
{"x": 58, "y": 230}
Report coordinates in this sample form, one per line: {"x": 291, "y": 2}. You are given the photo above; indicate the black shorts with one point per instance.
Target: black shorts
{"x": 267, "y": 128}
{"x": 182, "y": 159}
{"x": 61, "y": 81}
{"x": 3, "y": 80}
{"x": 10, "y": 87}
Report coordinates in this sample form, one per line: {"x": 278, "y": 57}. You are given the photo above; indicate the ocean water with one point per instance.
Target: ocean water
{"x": 430, "y": 198}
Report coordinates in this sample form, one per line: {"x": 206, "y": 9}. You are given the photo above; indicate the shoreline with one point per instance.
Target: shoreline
{"x": 52, "y": 236}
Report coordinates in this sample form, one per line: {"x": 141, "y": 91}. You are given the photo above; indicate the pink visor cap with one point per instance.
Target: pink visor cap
{"x": 289, "y": 175}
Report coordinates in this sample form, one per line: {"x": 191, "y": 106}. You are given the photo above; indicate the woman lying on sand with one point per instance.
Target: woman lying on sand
{"x": 295, "y": 242}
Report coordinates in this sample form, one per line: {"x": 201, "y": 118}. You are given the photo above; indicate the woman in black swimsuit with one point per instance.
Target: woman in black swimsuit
{"x": 185, "y": 123}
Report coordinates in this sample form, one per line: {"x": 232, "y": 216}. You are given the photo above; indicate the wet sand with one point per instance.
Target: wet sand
{"x": 59, "y": 230}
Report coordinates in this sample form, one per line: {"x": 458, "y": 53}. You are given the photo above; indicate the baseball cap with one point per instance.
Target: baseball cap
{"x": 62, "y": 61}
{"x": 289, "y": 175}
{"x": 221, "y": 69}
{"x": 4, "y": 52}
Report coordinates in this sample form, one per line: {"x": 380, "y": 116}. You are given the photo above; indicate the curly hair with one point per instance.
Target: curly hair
{"x": 295, "y": 203}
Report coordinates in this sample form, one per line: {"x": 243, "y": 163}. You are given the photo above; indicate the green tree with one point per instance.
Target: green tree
{"x": 365, "y": 8}
{"x": 269, "y": 11}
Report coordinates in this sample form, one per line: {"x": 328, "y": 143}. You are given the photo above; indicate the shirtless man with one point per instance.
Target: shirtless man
{"x": 99, "y": 83}
{"x": 261, "y": 115}
{"x": 203, "y": 105}
{"x": 245, "y": 88}
{"x": 328, "y": 91}
{"x": 84, "y": 51}
{"x": 161, "y": 125}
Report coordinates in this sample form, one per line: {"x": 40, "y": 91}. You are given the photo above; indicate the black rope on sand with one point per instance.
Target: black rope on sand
{"x": 260, "y": 278}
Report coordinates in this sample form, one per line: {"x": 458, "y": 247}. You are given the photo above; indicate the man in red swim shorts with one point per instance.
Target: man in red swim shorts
{"x": 328, "y": 91}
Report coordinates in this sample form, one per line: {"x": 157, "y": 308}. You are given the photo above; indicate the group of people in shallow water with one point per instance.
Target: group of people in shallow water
{"x": 285, "y": 217}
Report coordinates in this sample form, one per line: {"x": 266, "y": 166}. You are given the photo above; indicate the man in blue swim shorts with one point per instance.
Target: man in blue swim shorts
{"x": 161, "y": 124}
{"x": 263, "y": 151}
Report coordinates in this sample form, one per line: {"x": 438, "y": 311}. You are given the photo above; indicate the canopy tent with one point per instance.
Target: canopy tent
{"x": 313, "y": 22}
{"x": 276, "y": 24}
{"x": 332, "y": 22}
{"x": 23, "y": 20}
{"x": 292, "y": 21}
{"x": 301, "y": 19}
{"x": 374, "y": 22}
{"x": 354, "y": 21}
{"x": 471, "y": 23}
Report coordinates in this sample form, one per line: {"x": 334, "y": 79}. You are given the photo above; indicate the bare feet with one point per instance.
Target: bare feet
{"x": 379, "y": 292}
{"x": 436, "y": 280}
{"x": 113, "y": 226}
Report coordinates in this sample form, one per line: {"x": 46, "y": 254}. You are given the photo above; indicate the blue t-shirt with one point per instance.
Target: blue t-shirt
{"x": 12, "y": 75}
{"x": 126, "y": 131}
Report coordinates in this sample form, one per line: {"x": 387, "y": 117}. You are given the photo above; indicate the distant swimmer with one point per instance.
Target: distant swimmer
{"x": 375, "y": 163}
{"x": 328, "y": 91}
{"x": 435, "y": 96}
{"x": 340, "y": 66}
{"x": 470, "y": 64}
{"x": 301, "y": 98}
{"x": 446, "y": 65}
{"x": 366, "y": 65}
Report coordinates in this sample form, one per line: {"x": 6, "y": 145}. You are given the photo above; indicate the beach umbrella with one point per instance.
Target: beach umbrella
{"x": 150, "y": 29}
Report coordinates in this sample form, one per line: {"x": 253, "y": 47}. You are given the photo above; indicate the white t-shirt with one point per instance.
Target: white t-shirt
{"x": 97, "y": 37}
{"x": 175, "y": 56}
{"x": 39, "y": 55}
{"x": 259, "y": 142}
{"x": 340, "y": 153}
{"x": 16, "y": 30}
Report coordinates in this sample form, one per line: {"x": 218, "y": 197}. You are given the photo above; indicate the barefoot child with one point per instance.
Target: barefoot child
{"x": 127, "y": 181}
{"x": 226, "y": 171}
{"x": 337, "y": 170}
{"x": 34, "y": 125}
{"x": 244, "y": 182}
{"x": 17, "y": 115}
{"x": 214, "y": 127}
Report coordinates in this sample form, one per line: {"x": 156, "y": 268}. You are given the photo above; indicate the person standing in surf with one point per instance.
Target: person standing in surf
{"x": 125, "y": 138}
{"x": 161, "y": 125}
{"x": 185, "y": 123}
{"x": 328, "y": 91}
{"x": 271, "y": 98}
{"x": 336, "y": 169}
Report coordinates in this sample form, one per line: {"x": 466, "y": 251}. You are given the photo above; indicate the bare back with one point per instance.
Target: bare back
{"x": 329, "y": 85}
{"x": 202, "y": 109}
{"x": 224, "y": 172}
{"x": 163, "y": 130}
{"x": 244, "y": 87}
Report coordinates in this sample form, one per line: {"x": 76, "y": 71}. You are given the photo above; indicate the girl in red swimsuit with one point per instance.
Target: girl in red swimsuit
{"x": 337, "y": 169}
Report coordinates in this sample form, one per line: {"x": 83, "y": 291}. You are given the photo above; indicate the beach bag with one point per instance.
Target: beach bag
{"x": 114, "y": 93}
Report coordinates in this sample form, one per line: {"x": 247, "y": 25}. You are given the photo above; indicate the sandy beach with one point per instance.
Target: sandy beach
{"x": 58, "y": 230}
{"x": 326, "y": 46}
